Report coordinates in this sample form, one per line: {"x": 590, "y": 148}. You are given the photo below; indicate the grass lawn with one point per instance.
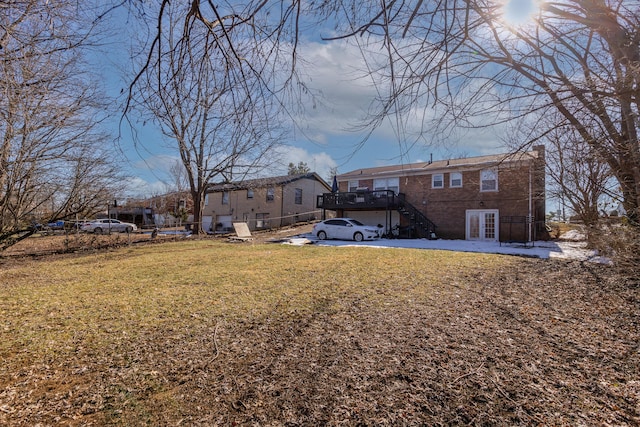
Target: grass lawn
{"x": 210, "y": 333}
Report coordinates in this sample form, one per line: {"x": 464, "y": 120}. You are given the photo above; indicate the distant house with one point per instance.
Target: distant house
{"x": 498, "y": 197}
{"x": 263, "y": 203}
{"x": 171, "y": 209}
{"x": 141, "y": 216}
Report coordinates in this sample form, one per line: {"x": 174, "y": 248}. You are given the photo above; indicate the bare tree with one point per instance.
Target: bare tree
{"x": 332, "y": 173}
{"x": 464, "y": 61}
{"x": 210, "y": 84}
{"x": 180, "y": 180}
{"x": 53, "y": 161}
{"x": 579, "y": 177}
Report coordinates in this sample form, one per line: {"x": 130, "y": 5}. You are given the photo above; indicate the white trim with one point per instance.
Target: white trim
{"x": 433, "y": 180}
{"x": 451, "y": 174}
{"x": 387, "y": 184}
{"x": 483, "y": 177}
{"x": 482, "y": 225}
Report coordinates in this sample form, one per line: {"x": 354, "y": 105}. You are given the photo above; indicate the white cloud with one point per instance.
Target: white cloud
{"x": 343, "y": 94}
{"x": 139, "y": 188}
{"x": 159, "y": 164}
{"x": 325, "y": 138}
{"x": 336, "y": 71}
{"x": 150, "y": 176}
{"x": 321, "y": 162}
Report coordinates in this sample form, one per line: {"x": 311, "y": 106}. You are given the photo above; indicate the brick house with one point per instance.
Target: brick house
{"x": 497, "y": 197}
{"x": 263, "y": 203}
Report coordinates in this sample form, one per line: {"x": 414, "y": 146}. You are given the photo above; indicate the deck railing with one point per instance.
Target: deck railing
{"x": 358, "y": 199}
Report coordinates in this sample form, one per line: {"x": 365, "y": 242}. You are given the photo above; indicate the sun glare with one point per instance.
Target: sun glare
{"x": 519, "y": 12}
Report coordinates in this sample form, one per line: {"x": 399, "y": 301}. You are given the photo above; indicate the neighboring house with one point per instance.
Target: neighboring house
{"x": 498, "y": 197}
{"x": 173, "y": 209}
{"x": 263, "y": 203}
{"x": 143, "y": 217}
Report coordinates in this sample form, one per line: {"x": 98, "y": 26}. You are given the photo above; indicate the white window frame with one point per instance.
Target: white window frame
{"x": 353, "y": 185}
{"x": 249, "y": 193}
{"x": 433, "y": 180}
{"x": 225, "y": 197}
{"x": 458, "y": 175}
{"x": 487, "y": 175}
{"x": 271, "y": 194}
{"x": 298, "y": 196}
{"x": 206, "y": 199}
{"x": 392, "y": 184}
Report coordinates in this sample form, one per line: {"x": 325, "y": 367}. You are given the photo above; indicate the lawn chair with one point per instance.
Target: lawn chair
{"x": 242, "y": 232}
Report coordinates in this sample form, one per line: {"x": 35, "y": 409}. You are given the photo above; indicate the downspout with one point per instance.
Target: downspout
{"x": 530, "y": 217}
{"x": 281, "y": 204}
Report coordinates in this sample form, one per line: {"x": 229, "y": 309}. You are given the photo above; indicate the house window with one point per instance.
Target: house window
{"x": 392, "y": 184}
{"x": 250, "y": 193}
{"x": 225, "y": 197}
{"x": 206, "y": 200}
{"x": 298, "y": 200}
{"x": 353, "y": 185}
{"x": 437, "y": 180}
{"x": 455, "y": 180}
{"x": 489, "y": 180}
{"x": 271, "y": 194}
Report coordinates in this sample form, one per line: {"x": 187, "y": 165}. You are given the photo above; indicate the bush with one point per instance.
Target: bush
{"x": 620, "y": 243}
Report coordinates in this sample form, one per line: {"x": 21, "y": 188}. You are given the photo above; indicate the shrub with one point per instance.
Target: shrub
{"x": 620, "y": 243}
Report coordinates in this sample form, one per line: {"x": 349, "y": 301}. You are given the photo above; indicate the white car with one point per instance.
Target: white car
{"x": 345, "y": 229}
{"x": 107, "y": 225}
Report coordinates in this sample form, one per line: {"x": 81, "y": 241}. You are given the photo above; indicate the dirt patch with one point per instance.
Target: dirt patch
{"x": 73, "y": 242}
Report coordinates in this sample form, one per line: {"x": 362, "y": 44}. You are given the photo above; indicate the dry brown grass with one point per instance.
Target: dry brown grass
{"x": 212, "y": 333}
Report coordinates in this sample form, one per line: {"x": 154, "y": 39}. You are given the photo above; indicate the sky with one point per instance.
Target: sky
{"x": 324, "y": 138}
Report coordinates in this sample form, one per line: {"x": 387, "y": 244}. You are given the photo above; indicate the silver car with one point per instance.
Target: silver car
{"x": 107, "y": 225}
{"x": 345, "y": 229}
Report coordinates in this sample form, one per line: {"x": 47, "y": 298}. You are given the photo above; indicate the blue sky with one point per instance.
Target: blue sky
{"x": 323, "y": 139}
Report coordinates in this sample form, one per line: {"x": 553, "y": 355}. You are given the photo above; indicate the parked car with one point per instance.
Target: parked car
{"x": 345, "y": 229}
{"x": 56, "y": 225}
{"x": 106, "y": 225}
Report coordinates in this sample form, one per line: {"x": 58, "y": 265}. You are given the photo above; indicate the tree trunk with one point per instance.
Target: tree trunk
{"x": 197, "y": 212}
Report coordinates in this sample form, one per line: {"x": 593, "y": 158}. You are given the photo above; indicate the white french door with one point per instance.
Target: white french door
{"x": 482, "y": 224}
